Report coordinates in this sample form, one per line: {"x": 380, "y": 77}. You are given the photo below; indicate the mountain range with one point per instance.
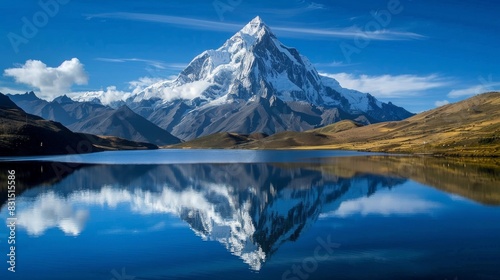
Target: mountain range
{"x": 251, "y": 84}
{"x": 25, "y": 134}
{"x": 95, "y": 118}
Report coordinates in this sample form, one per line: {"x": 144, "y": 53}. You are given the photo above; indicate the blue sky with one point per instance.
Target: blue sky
{"x": 417, "y": 54}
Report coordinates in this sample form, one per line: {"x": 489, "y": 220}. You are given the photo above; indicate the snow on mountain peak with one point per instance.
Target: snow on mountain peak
{"x": 255, "y": 28}
{"x": 247, "y": 37}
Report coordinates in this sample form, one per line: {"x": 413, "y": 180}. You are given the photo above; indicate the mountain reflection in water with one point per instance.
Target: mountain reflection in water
{"x": 251, "y": 209}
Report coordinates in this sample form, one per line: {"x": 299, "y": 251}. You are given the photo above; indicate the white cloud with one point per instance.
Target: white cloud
{"x": 470, "y": 91}
{"x": 111, "y": 94}
{"x": 441, "y": 103}
{"x": 187, "y": 91}
{"x": 385, "y": 205}
{"x": 6, "y": 90}
{"x": 51, "y": 81}
{"x": 168, "y": 92}
{"x": 49, "y": 211}
{"x": 142, "y": 83}
{"x": 388, "y": 86}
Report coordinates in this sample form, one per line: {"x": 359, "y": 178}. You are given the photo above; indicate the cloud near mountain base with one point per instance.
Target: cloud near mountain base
{"x": 389, "y": 86}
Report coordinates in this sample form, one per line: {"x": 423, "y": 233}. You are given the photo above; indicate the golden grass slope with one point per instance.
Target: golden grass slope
{"x": 467, "y": 128}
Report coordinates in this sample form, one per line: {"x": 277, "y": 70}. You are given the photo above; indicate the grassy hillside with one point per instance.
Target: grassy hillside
{"x": 466, "y": 128}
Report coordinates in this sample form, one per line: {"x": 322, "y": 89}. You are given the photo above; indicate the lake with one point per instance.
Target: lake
{"x": 212, "y": 214}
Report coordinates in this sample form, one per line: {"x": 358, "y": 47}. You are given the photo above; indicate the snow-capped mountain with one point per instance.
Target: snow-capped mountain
{"x": 254, "y": 83}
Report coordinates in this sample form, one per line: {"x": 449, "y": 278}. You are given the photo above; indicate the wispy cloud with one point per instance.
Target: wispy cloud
{"x": 10, "y": 90}
{"x": 334, "y": 64}
{"x": 348, "y": 32}
{"x": 389, "y": 86}
{"x": 300, "y": 7}
{"x": 180, "y": 21}
{"x": 140, "y": 84}
{"x": 154, "y": 63}
{"x": 384, "y": 205}
{"x": 155, "y": 228}
{"x": 473, "y": 90}
{"x": 440, "y": 103}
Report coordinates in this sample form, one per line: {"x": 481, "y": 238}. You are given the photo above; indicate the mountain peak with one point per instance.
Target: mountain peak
{"x": 257, "y": 21}
{"x": 125, "y": 109}
{"x": 7, "y": 103}
{"x": 255, "y": 28}
{"x": 63, "y": 99}
{"x": 31, "y": 95}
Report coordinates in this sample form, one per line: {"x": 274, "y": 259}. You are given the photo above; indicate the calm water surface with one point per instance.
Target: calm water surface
{"x": 252, "y": 215}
